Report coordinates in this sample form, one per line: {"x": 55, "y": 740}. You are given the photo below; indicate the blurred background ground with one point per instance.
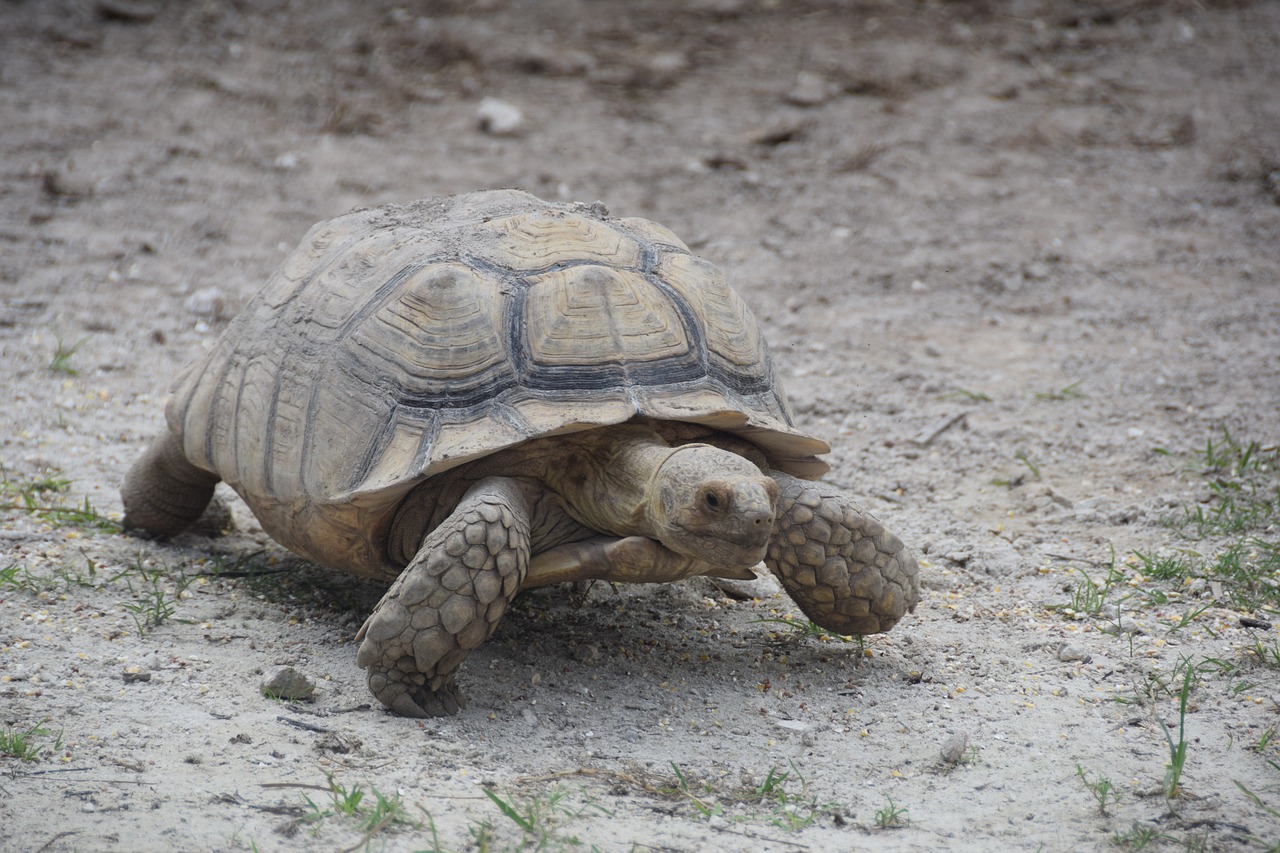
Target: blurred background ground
{"x": 1019, "y": 263}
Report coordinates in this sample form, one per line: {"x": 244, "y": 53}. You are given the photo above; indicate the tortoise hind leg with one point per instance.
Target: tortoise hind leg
{"x": 447, "y": 601}
{"x": 163, "y": 493}
{"x": 847, "y": 572}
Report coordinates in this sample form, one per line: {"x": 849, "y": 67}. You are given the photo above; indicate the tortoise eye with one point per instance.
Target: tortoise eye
{"x": 712, "y": 500}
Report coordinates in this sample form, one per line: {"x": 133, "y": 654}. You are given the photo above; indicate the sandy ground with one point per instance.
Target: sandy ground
{"x": 1019, "y": 263}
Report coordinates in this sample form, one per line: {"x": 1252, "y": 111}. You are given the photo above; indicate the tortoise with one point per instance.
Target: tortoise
{"x": 474, "y": 395}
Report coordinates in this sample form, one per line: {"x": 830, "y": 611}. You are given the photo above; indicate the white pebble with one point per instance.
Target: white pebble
{"x": 809, "y": 90}
{"x": 207, "y": 302}
{"x": 499, "y": 118}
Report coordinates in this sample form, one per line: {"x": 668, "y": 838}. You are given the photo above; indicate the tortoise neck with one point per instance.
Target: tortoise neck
{"x": 604, "y": 476}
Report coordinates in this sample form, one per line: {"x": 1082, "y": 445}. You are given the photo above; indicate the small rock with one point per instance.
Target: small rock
{"x": 1125, "y": 625}
{"x": 809, "y": 90}
{"x": 554, "y": 61}
{"x": 126, "y": 11}
{"x": 586, "y": 653}
{"x": 954, "y": 747}
{"x": 285, "y": 682}
{"x": 133, "y": 675}
{"x": 499, "y": 118}
{"x": 1074, "y": 651}
{"x": 1036, "y": 271}
{"x": 65, "y": 183}
{"x": 792, "y": 725}
{"x": 661, "y": 70}
{"x": 207, "y": 302}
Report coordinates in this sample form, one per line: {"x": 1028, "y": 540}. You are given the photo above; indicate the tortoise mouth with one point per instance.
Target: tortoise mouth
{"x": 718, "y": 550}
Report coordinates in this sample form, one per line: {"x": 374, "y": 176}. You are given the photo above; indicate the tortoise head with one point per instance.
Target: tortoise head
{"x": 708, "y": 503}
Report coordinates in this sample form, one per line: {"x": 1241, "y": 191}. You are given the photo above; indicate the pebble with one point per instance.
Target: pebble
{"x": 809, "y": 90}
{"x": 499, "y": 118}
{"x": 953, "y": 748}
{"x": 1125, "y": 625}
{"x": 127, "y": 11}
{"x": 1074, "y": 651}
{"x": 285, "y": 682}
{"x": 208, "y": 302}
{"x": 64, "y": 182}
{"x": 792, "y": 725}
{"x": 586, "y": 653}
{"x": 662, "y": 69}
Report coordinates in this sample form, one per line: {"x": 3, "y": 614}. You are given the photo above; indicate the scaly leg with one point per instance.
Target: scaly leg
{"x": 837, "y": 562}
{"x": 632, "y": 559}
{"x": 447, "y": 601}
{"x": 163, "y": 493}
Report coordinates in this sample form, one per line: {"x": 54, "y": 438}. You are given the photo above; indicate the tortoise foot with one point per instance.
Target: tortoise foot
{"x": 407, "y": 694}
{"x": 844, "y": 569}
{"x": 446, "y": 602}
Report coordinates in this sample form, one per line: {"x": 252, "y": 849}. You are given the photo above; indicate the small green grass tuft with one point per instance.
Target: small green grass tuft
{"x": 686, "y": 788}
{"x": 1070, "y": 392}
{"x": 1239, "y": 567}
{"x": 1101, "y": 788}
{"x": 783, "y": 798}
{"x": 1164, "y": 567}
{"x": 790, "y": 810}
{"x": 1268, "y": 656}
{"x": 1139, "y": 837}
{"x": 1178, "y": 749}
{"x": 34, "y": 496}
{"x": 808, "y": 629}
{"x": 24, "y": 745}
{"x": 353, "y": 803}
{"x": 61, "y": 362}
{"x": 892, "y": 816}
{"x": 1089, "y": 596}
{"x": 157, "y": 595}
{"x": 538, "y": 817}
{"x": 969, "y": 396}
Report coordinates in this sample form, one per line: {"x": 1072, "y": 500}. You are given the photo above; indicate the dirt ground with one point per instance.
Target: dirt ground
{"x": 1019, "y": 263}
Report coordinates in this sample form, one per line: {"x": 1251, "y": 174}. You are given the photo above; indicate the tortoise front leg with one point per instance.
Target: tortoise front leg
{"x": 844, "y": 569}
{"x": 631, "y": 559}
{"x": 447, "y": 601}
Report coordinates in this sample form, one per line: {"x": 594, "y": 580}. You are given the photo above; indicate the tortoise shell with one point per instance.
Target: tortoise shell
{"x": 398, "y": 342}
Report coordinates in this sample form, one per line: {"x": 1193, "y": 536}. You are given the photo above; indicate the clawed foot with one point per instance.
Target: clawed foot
{"x": 446, "y": 602}
{"x": 844, "y": 569}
